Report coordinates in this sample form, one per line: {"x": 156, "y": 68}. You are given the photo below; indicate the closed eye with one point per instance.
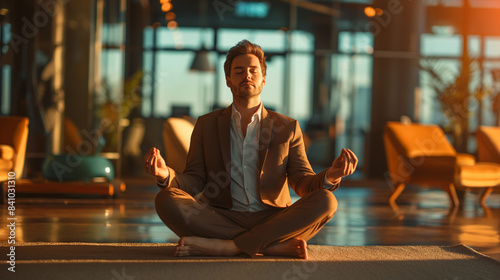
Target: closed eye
{"x": 240, "y": 70}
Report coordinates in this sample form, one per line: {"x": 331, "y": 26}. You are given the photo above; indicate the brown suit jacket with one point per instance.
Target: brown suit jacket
{"x": 282, "y": 160}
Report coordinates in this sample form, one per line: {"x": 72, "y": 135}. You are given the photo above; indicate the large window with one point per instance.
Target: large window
{"x": 447, "y": 49}
{"x": 175, "y": 85}
{"x": 168, "y": 82}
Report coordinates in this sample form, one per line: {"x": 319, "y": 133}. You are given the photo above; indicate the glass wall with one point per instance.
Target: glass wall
{"x": 446, "y": 52}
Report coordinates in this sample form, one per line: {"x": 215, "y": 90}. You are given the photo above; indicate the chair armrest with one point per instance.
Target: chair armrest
{"x": 465, "y": 159}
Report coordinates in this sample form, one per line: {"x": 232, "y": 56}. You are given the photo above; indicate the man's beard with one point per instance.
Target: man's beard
{"x": 247, "y": 91}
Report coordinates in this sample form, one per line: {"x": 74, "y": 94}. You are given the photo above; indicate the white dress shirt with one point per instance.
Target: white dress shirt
{"x": 244, "y": 161}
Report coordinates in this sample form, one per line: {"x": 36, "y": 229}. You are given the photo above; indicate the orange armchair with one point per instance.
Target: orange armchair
{"x": 420, "y": 154}
{"x": 176, "y": 140}
{"x": 13, "y": 140}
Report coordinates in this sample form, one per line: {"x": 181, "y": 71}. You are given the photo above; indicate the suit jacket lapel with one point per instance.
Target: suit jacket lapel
{"x": 266, "y": 132}
{"x": 224, "y": 122}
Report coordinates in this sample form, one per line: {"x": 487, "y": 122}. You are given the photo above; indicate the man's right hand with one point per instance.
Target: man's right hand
{"x": 155, "y": 165}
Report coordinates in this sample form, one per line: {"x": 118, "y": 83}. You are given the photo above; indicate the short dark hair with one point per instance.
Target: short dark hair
{"x": 244, "y": 47}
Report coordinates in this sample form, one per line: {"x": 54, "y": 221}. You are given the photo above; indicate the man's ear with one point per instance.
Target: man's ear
{"x": 264, "y": 81}
{"x": 228, "y": 81}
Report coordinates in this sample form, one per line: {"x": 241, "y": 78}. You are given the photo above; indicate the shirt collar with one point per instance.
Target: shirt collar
{"x": 235, "y": 114}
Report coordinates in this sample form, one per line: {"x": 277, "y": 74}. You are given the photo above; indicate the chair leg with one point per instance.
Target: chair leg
{"x": 452, "y": 193}
{"x": 398, "y": 188}
{"x": 485, "y": 195}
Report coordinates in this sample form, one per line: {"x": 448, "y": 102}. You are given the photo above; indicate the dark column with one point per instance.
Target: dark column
{"x": 318, "y": 125}
{"x": 77, "y": 50}
{"x": 321, "y": 89}
{"x": 137, "y": 19}
{"x": 395, "y": 71}
{"x": 22, "y": 54}
{"x": 324, "y": 45}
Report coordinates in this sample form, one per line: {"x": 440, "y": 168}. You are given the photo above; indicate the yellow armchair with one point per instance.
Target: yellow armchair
{"x": 13, "y": 140}
{"x": 420, "y": 154}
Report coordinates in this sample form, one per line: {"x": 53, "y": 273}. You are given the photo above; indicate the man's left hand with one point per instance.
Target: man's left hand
{"x": 342, "y": 166}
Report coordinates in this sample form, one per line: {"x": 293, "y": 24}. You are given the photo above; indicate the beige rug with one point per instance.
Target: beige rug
{"x": 126, "y": 261}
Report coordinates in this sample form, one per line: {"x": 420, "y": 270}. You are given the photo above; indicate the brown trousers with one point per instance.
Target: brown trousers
{"x": 251, "y": 231}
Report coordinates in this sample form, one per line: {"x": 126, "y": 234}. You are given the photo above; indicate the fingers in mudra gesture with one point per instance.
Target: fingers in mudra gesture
{"x": 344, "y": 165}
{"x": 154, "y": 164}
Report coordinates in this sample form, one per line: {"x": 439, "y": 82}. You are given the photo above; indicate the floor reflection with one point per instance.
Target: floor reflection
{"x": 364, "y": 217}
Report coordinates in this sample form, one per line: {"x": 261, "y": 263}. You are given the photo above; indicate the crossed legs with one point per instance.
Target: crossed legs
{"x": 207, "y": 230}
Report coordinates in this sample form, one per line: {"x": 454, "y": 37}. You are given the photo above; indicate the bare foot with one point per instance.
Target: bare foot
{"x": 199, "y": 246}
{"x": 293, "y": 248}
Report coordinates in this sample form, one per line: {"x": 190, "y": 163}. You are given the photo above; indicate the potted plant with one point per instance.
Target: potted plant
{"x": 455, "y": 94}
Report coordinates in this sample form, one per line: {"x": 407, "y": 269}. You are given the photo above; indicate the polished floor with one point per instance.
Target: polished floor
{"x": 363, "y": 218}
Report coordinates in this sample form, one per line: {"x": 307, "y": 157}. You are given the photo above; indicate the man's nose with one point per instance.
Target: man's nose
{"x": 248, "y": 75}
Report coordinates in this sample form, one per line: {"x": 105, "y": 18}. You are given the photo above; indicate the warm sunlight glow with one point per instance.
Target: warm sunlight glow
{"x": 370, "y": 12}
{"x": 476, "y": 235}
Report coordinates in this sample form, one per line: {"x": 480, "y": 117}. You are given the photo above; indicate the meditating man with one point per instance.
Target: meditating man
{"x": 240, "y": 163}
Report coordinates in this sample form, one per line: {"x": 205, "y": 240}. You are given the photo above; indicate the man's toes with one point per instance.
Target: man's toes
{"x": 302, "y": 249}
{"x": 181, "y": 251}
{"x": 302, "y": 252}
{"x": 181, "y": 241}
